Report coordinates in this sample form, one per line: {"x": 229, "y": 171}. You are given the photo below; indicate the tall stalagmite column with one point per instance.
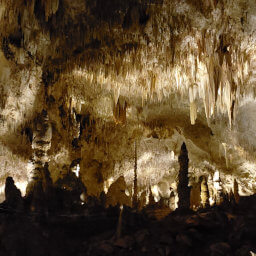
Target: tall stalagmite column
{"x": 183, "y": 189}
{"x": 41, "y": 143}
{"x": 135, "y": 180}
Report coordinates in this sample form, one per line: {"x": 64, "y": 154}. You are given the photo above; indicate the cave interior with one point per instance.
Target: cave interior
{"x": 128, "y": 127}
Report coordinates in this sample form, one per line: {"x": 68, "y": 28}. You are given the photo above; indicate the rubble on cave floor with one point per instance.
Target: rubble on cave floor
{"x": 220, "y": 230}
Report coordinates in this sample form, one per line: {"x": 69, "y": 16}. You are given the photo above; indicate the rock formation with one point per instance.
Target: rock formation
{"x": 195, "y": 195}
{"x": 13, "y": 197}
{"x": 135, "y": 179}
{"x": 69, "y": 189}
{"x": 236, "y": 191}
{"x": 81, "y": 80}
{"x": 116, "y": 193}
{"x": 218, "y": 189}
{"x": 183, "y": 188}
{"x": 204, "y": 192}
{"x": 41, "y": 143}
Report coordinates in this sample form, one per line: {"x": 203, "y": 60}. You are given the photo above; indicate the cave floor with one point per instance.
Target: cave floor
{"x": 223, "y": 230}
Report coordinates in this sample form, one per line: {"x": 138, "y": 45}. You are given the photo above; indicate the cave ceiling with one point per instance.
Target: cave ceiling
{"x": 110, "y": 72}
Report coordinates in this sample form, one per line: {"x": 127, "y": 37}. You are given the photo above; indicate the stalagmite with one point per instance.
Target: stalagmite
{"x": 183, "y": 189}
{"x": 135, "y": 181}
{"x": 13, "y": 197}
{"x": 119, "y": 224}
{"x": 204, "y": 192}
{"x": 116, "y": 193}
{"x": 195, "y": 197}
{"x": 151, "y": 199}
{"x": 236, "y": 191}
{"x": 218, "y": 190}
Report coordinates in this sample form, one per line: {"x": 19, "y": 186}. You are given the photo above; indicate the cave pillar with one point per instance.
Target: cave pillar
{"x": 183, "y": 188}
{"x": 204, "y": 192}
{"x": 41, "y": 143}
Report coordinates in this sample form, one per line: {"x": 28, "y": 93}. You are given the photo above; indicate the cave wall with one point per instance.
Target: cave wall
{"x": 160, "y": 72}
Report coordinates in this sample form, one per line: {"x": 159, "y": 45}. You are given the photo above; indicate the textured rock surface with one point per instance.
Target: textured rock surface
{"x": 109, "y": 72}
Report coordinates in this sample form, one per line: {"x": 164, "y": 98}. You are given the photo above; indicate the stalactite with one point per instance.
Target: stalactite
{"x": 193, "y": 112}
{"x": 183, "y": 189}
{"x": 119, "y": 112}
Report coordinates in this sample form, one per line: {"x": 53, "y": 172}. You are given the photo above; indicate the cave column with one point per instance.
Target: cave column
{"x": 183, "y": 189}
{"x": 41, "y": 143}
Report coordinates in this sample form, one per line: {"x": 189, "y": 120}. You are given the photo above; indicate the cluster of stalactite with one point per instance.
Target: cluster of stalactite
{"x": 119, "y": 111}
{"x": 206, "y": 60}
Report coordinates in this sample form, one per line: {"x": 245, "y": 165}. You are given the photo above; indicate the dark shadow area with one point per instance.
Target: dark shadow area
{"x": 92, "y": 229}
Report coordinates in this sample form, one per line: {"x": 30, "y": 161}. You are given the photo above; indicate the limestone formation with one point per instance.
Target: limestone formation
{"x": 183, "y": 189}
{"x": 119, "y": 111}
{"x": 204, "y": 192}
{"x": 135, "y": 180}
{"x": 41, "y": 143}
{"x": 70, "y": 188}
{"x": 218, "y": 189}
{"x": 142, "y": 200}
{"x": 151, "y": 199}
{"x": 195, "y": 195}
{"x": 236, "y": 192}
{"x": 172, "y": 201}
{"x": 160, "y": 72}
{"x": 116, "y": 193}
{"x": 13, "y": 197}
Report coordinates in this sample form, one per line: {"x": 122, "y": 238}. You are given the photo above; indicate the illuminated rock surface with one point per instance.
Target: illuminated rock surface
{"x": 102, "y": 74}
